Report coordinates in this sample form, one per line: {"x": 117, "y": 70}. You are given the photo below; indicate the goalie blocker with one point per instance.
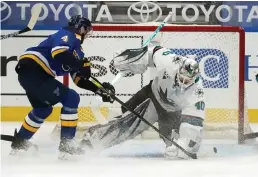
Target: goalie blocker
{"x": 174, "y": 99}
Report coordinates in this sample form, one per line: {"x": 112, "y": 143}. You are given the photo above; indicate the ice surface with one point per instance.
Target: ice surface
{"x": 133, "y": 158}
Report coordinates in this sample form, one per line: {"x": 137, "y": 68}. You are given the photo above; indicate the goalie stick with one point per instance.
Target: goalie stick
{"x": 99, "y": 85}
{"x": 34, "y": 17}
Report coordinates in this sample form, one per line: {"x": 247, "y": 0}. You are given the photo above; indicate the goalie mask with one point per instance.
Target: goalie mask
{"x": 188, "y": 73}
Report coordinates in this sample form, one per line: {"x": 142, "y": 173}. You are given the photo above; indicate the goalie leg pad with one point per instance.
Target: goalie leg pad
{"x": 33, "y": 121}
{"x": 122, "y": 129}
{"x": 190, "y": 138}
{"x": 69, "y": 118}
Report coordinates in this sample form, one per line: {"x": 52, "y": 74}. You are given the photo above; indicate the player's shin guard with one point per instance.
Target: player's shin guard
{"x": 33, "y": 122}
{"x": 69, "y": 118}
{"x": 69, "y": 121}
{"x": 30, "y": 125}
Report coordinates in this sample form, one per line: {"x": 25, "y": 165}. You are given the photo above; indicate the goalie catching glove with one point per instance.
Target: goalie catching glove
{"x": 106, "y": 96}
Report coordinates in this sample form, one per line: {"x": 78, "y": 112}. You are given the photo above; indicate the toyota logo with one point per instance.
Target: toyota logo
{"x": 145, "y": 10}
{"x": 5, "y": 11}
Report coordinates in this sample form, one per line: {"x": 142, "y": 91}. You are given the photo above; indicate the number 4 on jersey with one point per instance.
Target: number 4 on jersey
{"x": 65, "y": 38}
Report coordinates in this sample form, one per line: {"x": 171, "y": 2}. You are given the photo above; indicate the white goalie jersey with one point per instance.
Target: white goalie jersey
{"x": 165, "y": 85}
{"x": 177, "y": 87}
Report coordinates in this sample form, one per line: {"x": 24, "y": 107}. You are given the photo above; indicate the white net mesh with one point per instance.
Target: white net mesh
{"x": 217, "y": 52}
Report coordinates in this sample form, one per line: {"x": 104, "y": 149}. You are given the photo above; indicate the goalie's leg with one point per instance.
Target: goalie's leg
{"x": 128, "y": 125}
{"x": 122, "y": 129}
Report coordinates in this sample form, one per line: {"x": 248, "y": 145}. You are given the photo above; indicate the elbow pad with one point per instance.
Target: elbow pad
{"x": 68, "y": 59}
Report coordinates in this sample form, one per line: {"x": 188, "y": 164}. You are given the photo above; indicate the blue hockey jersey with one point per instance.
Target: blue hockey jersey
{"x": 44, "y": 53}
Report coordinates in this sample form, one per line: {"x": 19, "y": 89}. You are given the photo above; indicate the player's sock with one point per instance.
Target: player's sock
{"x": 69, "y": 118}
{"x": 33, "y": 121}
{"x": 69, "y": 121}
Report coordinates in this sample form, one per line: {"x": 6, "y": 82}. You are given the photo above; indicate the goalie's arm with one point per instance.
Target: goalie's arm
{"x": 132, "y": 60}
{"x": 138, "y": 60}
{"x": 162, "y": 58}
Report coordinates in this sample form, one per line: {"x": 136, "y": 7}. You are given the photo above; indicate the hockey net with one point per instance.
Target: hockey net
{"x": 219, "y": 51}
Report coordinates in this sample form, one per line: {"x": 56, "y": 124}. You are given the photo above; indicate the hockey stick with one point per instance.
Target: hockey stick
{"x": 120, "y": 74}
{"x": 99, "y": 85}
{"x": 7, "y": 137}
{"x": 34, "y": 17}
{"x": 251, "y": 135}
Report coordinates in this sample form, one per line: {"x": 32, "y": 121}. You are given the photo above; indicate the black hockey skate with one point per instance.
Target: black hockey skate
{"x": 20, "y": 145}
{"x": 69, "y": 147}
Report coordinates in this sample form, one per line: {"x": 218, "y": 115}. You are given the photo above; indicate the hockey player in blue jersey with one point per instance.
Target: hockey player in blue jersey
{"x": 61, "y": 53}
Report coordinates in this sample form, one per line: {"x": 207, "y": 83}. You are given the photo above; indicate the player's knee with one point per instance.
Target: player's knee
{"x": 71, "y": 100}
{"x": 42, "y": 113}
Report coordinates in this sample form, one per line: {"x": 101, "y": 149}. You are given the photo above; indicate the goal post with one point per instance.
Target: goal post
{"x": 220, "y": 50}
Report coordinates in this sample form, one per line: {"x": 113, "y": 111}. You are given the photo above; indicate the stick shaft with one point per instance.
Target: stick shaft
{"x": 15, "y": 33}
{"x": 7, "y": 137}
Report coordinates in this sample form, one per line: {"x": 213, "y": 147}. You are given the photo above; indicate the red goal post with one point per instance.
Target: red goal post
{"x": 225, "y": 43}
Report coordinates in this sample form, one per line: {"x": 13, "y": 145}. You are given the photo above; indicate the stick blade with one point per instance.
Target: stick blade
{"x": 34, "y": 15}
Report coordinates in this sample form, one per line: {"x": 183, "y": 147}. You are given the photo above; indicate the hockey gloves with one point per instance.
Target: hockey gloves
{"x": 106, "y": 96}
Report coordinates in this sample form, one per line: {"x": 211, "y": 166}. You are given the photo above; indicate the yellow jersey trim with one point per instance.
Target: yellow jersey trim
{"x": 76, "y": 80}
{"x": 86, "y": 64}
{"x": 78, "y": 36}
{"x": 37, "y": 60}
{"x": 54, "y": 53}
{"x": 69, "y": 123}
{"x": 28, "y": 127}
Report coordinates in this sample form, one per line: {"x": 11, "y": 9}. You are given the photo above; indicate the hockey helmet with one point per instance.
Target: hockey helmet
{"x": 79, "y": 21}
{"x": 188, "y": 72}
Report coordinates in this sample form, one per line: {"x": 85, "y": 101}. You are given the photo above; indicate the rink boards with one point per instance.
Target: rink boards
{"x": 221, "y": 92}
